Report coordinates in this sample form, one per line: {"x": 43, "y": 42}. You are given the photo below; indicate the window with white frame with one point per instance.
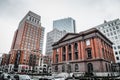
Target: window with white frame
{"x": 87, "y": 42}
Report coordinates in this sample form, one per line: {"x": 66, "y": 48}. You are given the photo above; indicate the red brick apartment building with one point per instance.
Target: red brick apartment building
{"x": 87, "y": 51}
{"x": 27, "y": 43}
{"x": 5, "y": 61}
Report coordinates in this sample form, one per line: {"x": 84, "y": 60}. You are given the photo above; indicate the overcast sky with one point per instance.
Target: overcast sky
{"x": 87, "y": 13}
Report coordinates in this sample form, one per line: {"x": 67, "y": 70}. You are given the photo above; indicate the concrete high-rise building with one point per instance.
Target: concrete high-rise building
{"x": 52, "y": 37}
{"x": 67, "y": 24}
{"x": 111, "y": 30}
{"x": 27, "y": 43}
{"x": 60, "y": 28}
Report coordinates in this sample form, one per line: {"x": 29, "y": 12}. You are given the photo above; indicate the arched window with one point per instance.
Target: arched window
{"x": 63, "y": 54}
{"x": 76, "y": 51}
{"x": 76, "y": 47}
{"x": 57, "y": 58}
{"x": 70, "y": 56}
{"x": 76, "y": 55}
{"x": 63, "y": 68}
{"x": 106, "y": 67}
{"x": 90, "y": 67}
{"x": 69, "y": 48}
{"x": 110, "y": 68}
{"x": 56, "y": 68}
{"x": 69, "y": 53}
{"x": 76, "y": 68}
{"x": 69, "y": 68}
{"x": 64, "y": 49}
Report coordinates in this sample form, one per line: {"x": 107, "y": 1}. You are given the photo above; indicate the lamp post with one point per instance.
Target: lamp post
{"x": 68, "y": 71}
{"x": 112, "y": 73}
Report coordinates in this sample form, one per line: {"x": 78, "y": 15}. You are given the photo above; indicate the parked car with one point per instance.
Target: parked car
{"x": 61, "y": 76}
{"x": 45, "y": 78}
{"x": 1, "y": 73}
{"x": 4, "y": 76}
{"x": 21, "y": 77}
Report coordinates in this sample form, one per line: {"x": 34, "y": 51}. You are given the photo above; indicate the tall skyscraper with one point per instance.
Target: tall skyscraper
{"x": 67, "y": 24}
{"x": 27, "y": 43}
{"x": 111, "y": 30}
{"x": 60, "y": 28}
{"x": 52, "y": 37}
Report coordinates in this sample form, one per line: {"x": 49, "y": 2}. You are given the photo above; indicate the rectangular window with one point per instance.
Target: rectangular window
{"x": 110, "y": 29}
{"x": 108, "y": 34}
{"x": 117, "y": 27}
{"x": 119, "y": 47}
{"x": 111, "y": 33}
{"x": 89, "y": 53}
{"x": 113, "y": 28}
{"x": 87, "y": 42}
{"x": 114, "y": 33}
{"x": 103, "y": 52}
{"x": 116, "y": 37}
{"x": 76, "y": 55}
{"x": 57, "y": 50}
{"x": 117, "y": 58}
{"x": 116, "y": 53}
{"x": 104, "y": 31}
{"x": 57, "y": 58}
{"x": 107, "y": 30}
{"x": 64, "y": 57}
{"x": 70, "y": 56}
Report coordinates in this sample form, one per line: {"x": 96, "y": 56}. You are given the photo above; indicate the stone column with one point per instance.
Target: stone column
{"x": 66, "y": 52}
{"x": 79, "y": 51}
{"x": 72, "y": 47}
{"x": 83, "y": 53}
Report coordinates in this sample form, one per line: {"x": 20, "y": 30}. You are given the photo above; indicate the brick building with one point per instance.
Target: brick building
{"x": 5, "y": 61}
{"x": 87, "y": 51}
{"x": 27, "y": 43}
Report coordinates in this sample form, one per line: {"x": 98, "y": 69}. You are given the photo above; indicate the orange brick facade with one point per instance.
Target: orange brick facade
{"x": 86, "y": 51}
{"x": 5, "y": 59}
{"x": 26, "y": 40}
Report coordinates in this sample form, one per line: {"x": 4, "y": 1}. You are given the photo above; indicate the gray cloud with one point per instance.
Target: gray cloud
{"x": 87, "y": 13}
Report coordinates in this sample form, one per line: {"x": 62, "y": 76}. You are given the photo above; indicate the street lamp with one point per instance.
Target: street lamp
{"x": 68, "y": 66}
{"x": 112, "y": 74}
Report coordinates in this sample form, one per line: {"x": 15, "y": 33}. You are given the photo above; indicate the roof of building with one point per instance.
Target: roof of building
{"x": 70, "y": 36}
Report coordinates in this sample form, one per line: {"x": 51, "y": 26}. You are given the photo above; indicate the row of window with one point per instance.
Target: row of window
{"x": 111, "y": 34}
{"x": 117, "y": 58}
{"x": 76, "y": 56}
{"x": 115, "y": 47}
{"x": 116, "y": 53}
{"x": 109, "y": 25}
{"x": 33, "y": 19}
{"x": 75, "y": 47}
{"x": 76, "y": 68}
{"x": 110, "y": 29}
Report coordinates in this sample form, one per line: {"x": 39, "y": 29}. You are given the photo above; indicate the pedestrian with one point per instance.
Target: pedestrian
{"x": 73, "y": 77}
